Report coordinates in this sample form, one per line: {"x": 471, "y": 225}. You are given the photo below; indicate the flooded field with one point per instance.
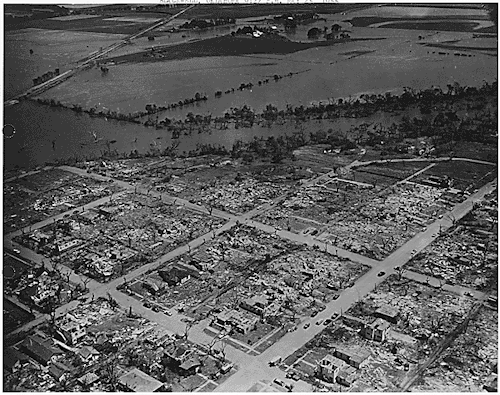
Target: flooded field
{"x": 51, "y": 49}
{"x": 327, "y": 72}
{"x": 72, "y": 135}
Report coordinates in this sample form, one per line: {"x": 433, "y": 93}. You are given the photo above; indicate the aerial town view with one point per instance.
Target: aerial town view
{"x": 271, "y": 197}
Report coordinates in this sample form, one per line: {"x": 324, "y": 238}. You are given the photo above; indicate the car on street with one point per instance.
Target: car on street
{"x": 397, "y": 268}
{"x": 147, "y": 305}
{"x": 156, "y": 309}
{"x": 16, "y": 251}
{"x": 334, "y": 316}
{"x": 167, "y": 312}
{"x": 380, "y": 274}
{"x": 279, "y": 382}
{"x": 327, "y": 322}
{"x": 335, "y": 296}
{"x": 319, "y": 322}
{"x": 307, "y": 325}
{"x": 314, "y": 314}
{"x": 467, "y": 293}
{"x": 293, "y": 376}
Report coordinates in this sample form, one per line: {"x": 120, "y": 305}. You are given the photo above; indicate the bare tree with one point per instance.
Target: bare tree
{"x": 85, "y": 281}
{"x": 56, "y": 267}
{"x": 112, "y": 373}
{"x": 189, "y": 325}
{"x": 401, "y": 271}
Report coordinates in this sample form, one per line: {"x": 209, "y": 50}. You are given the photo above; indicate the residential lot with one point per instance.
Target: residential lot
{"x": 32, "y": 288}
{"x": 381, "y": 340}
{"x": 251, "y": 285}
{"x": 119, "y": 235}
{"x": 211, "y": 181}
{"x": 212, "y": 270}
{"x": 98, "y": 347}
{"x": 356, "y": 218}
{"x": 469, "y": 364}
{"x": 235, "y": 188}
{"x": 468, "y": 254}
{"x": 33, "y": 198}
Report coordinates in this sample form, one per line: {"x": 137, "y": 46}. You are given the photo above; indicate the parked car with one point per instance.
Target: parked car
{"x": 156, "y": 309}
{"x": 334, "y": 316}
{"x": 307, "y": 325}
{"x": 335, "y": 296}
{"x": 467, "y": 293}
{"x": 328, "y": 321}
{"x": 314, "y": 314}
{"x": 380, "y": 274}
{"x": 279, "y": 382}
{"x": 319, "y": 322}
{"x": 167, "y": 312}
{"x": 275, "y": 361}
{"x": 16, "y": 251}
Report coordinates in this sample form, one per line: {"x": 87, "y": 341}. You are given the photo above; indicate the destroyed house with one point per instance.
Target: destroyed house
{"x": 191, "y": 365}
{"x": 231, "y": 319}
{"x": 176, "y": 352}
{"x": 180, "y": 356}
{"x": 59, "y": 371}
{"x": 329, "y": 367}
{"x": 347, "y": 376}
{"x": 377, "y": 330}
{"x": 154, "y": 284}
{"x": 292, "y": 281}
{"x": 138, "y": 381}
{"x": 353, "y": 358}
{"x": 255, "y": 304}
{"x": 13, "y": 358}
{"x": 71, "y": 332}
{"x": 388, "y": 313}
{"x": 175, "y": 275}
{"x": 41, "y": 350}
{"x": 88, "y": 353}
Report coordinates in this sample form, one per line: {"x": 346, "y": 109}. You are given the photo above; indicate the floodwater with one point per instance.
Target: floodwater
{"x": 324, "y": 72}
{"x": 45, "y": 134}
{"x": 72, "y": 134}
{"x": 51, "y": 49}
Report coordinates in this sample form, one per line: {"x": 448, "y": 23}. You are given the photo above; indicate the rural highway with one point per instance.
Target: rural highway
{"x": 87, "y": 62}
{"x": 252, "y": 369}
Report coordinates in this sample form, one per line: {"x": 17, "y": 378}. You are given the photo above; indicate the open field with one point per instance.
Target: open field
{"x": 450, "y": 23}
{"x": 14, "y": 316}
{"x": 465, "y": 175}
{"x": 228, "y": 46}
